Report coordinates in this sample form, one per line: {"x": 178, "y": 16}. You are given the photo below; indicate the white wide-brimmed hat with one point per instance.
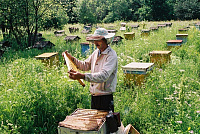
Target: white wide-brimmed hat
{"x": 103, "y": 32}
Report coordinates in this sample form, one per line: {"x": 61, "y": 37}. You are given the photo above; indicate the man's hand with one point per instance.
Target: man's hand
{"x": 76, "y": 75}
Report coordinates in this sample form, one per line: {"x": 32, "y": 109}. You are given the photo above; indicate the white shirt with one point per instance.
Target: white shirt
{"x": 103, "y": 76}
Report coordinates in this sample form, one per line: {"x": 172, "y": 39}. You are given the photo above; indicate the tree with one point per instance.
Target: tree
{"x": 22, "y": 19}
{"x": 187, "y": 9}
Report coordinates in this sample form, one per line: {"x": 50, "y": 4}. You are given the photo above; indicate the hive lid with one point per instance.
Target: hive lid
{"x": 45, "y": 55}
{"x": 174, "y": 41}
{"x": 85, "y": 119}
{"x": 122, "y": 28}
{"x": 183, "y": 30}
{"x": 129, "y": 33}
{"x": 160, "y": 52}
{"x": 137, "y": 66}
{"x": 178, "y": 35}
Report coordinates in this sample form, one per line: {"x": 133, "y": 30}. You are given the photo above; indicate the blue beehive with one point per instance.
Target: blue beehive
{"x": 197, "y": 25}
{"x": 85, "y": 48}
{"x": 182, "y": 37}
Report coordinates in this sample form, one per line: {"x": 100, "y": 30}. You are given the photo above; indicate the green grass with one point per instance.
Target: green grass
{"x": 35, "y": 98}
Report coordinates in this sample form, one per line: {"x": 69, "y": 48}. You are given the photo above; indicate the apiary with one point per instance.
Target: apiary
{"x": 83, "y": 121}
{"x": 136, "y": 72}
{"x": 160, "y": 57}
{"x": 129, "y": 36}
{"x": 49, "y": 59}
{"x": 182, "y": 37}
{"x": 182, "y": 31}
{"x": 145, "y": 33}
{"x": 174, "y": 43}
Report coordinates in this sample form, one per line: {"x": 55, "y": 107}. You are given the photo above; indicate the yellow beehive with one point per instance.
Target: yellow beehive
{"x": 129, "y": 36}
{"x": 160, "y": 57}
{"x": 136, "y": 72}
{"x": 145, "y": 33}
{"x": 49, "y": 59}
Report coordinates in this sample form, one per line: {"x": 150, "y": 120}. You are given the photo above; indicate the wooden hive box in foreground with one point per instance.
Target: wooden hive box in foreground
{"x": 136, "y": 72}
{"x": 49, "y": 59}
{"x": 160, "y": 57}
{"x": 83, "y": 121}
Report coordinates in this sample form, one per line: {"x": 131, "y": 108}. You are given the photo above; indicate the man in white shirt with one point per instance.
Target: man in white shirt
{"x": 103, "y": 77}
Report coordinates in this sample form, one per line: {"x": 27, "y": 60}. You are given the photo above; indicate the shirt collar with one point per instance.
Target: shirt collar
{"x": 107, "y": 50}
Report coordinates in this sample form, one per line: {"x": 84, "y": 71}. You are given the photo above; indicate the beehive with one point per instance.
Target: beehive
{"x": 145, "y": 33}
{"x": 197, "y": 25}
{"x": 136, "y": 72}
{"x": 85, "y": 48}
{"x": 161, "y": 25}
{"x": 135, "y": 26}
{"x": 182, "y": 37}
{"x": 129, "y": 36}
{"x": 112, "y": 31}
{"x": 153, "y": 28}
{"x": 83, "y": 121}
{"x": 182, "y": 31}
{"x": 123, "y": 24}
{"x": 168, "y": 24}
{"x": 59, "y": 33}
{"x": 49, "y": 59}
{"x": 174, "y": 43}
{"x": 160, "y": 57}
{"x": 122, "y": 29}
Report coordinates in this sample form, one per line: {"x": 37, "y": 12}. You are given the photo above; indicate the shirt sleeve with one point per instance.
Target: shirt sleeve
{"x": 109, "y": 66}
{"x": 83, "y": 65}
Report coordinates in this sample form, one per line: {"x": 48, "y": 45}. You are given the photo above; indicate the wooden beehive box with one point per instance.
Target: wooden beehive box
{"x": 136, "y": 72}
{"x": 153, "y": 28}
{"x": 161, "y": 25}
{"x": 123, "y": 24}
{"x": 135, "y": 26}
{"x": 183, "y": 31}
{"x": 129, "y": 35}
{"x": 112, "y": 31}
{"x": 49, "y": 59}
{"x": 145, "y": 33}
{"x": 160, "y": 57}
{"x": 117, "y": 39}
{"x": 122, "y": 29}
{"x": 43, "y": 44}
{"x": 168, "y": 24}
{"x": 174, "y": 43}
{"x": 59, "y": 33}
{"x": 72, "y": 38}
{"x": 182, "y": 37}
{"x": 83, "y": 121}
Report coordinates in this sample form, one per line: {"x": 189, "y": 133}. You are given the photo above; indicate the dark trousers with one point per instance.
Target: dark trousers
{"x": 103, "y": 102}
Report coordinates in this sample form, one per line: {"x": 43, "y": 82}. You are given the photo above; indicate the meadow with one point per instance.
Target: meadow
{"x": 34, "y": 98}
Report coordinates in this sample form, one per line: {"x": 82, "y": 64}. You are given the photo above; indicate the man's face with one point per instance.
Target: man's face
{"x": 101, "y": 45}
